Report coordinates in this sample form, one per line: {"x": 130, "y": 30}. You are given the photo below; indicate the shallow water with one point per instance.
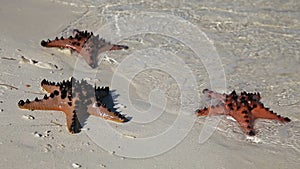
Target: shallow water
{"x": 252, "y": 46}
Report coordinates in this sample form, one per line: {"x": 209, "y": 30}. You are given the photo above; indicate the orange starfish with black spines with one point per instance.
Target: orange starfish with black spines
{"x": 77, "y": 99}
{"x": 244, "y": 108}
{"x": 84, "y": 43}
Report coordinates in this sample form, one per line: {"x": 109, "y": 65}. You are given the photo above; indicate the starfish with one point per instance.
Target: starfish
{"x": 77, "y": 99}
{"x": 244, "y": 108}
{"x": 84, "y": 43}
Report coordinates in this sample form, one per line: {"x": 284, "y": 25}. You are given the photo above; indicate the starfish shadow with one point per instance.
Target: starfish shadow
{"x": 108, "y": 101}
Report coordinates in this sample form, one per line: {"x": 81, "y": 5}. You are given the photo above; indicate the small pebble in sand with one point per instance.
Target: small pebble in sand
{"x": 86, "y": 144}
{"x": 75, "y": 165}
{"x": 36, "y": 134}
{"x": 103, "y": 165}
{"x": 129, "y": 136}
{"x": 49, "y": 145}
{"x": 46, "y": 133}
{"x": 46, "y": 150}
{"x": 61, "y": 146}
{"x": 29, "y": 117}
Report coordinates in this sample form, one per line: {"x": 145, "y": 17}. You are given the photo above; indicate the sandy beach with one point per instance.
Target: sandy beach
{"x": 176, "y": 49}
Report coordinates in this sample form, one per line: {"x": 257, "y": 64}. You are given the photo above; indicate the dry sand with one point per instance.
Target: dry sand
{"x": 258, "y": 44}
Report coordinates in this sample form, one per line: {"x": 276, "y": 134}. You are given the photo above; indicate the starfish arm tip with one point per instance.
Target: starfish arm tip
{"x": 43, "y": 43}
{"x": 21, "y": 103}
{"x": 286, "y": 119}
{"x": 204, "y": 91}
{"x": 251, "y": 133}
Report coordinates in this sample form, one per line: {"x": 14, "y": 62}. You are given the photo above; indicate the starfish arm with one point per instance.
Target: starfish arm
{"x": 89, "y": 55}
{"x": 105, "y": 47}
{"x": 261, "y": 112}
{"x": 118, "y": 47}
{"x": 73, "y": 123}
{"x": 212, "y": 110}
{"x": 202, "y": 112}
{"x": 105, "y": 113}
{"x": 49, "y": 87}
{"x": 250, "y": 96}
{"x": 68, "y": 107}
{"x": 47, "y": 103}
{"x": 70, "y": 43}
{"x": 55, "y": 102}
{"x": 244, "y": 118}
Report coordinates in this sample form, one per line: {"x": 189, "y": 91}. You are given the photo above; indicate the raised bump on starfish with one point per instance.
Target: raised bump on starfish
{"x": 84, "y": 43}
{"x": 77, "y": 99}
{"x": 244, "y": 108}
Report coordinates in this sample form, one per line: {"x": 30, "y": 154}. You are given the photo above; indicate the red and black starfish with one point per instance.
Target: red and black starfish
{"x": 77, "y": 99}
{"x": 244, "y": 108}
{"x": 84, "y": 43}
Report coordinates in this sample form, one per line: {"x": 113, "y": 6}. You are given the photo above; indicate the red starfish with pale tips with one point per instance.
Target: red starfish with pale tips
{"x": 77, "y": 99}
{"x": 84, "y": 43}
{"x": 244, "y": 108}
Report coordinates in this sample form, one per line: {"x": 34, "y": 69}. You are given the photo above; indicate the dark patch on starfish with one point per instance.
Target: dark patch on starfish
{"x": 245, "y": 109}
{"x": 77, "y": 99}
{"x": 84, "y": 43}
